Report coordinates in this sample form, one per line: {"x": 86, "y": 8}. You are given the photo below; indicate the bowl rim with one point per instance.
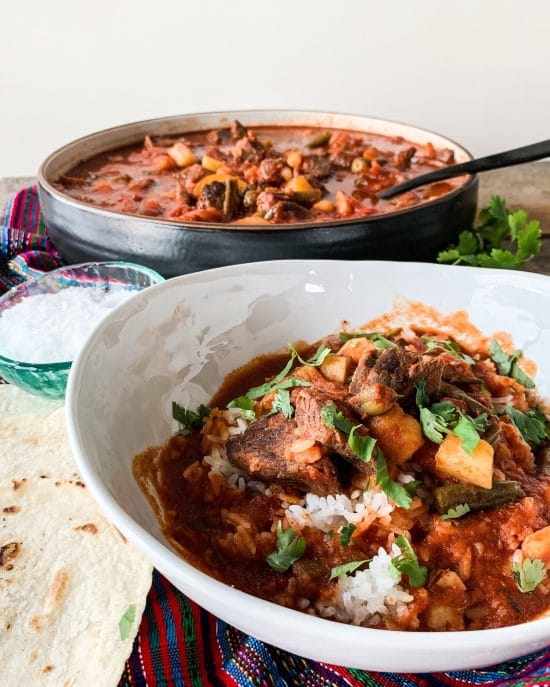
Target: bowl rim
{"x": 15, "y": 290}
{"x": 175, "y": 566}
{"x": 295, "y": 227}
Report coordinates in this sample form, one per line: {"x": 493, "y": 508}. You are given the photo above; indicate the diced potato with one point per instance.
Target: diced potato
{"x": 294, "y": 159}
{"x": 399, "y": 435}
{"x": 537, "y": 545}
{"x": 182, "y": 154}
{"x": 335, "y": 368}
{"x": 343, "y": 204}
{"x": 376, "y": 399}
{"x": 324, "y": 206}
{"x": 451, "y": 460}
{"x": 163, "y": 163}
{"x": 286, "y": 173}
{"x": 210, "y": 163}
{"x": 297, "y": 184}
{"x": 354, "y": 348}
{"x": 444, "y": 618}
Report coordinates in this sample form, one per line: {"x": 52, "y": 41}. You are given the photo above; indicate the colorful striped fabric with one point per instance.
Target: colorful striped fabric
{"x": 181, "y": 645}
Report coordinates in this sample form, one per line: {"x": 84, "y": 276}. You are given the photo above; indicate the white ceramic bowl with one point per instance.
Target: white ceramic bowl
{"x": 177, "y": 340}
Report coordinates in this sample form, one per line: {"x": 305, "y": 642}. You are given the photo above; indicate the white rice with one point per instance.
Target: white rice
{"x": 365, "y": 596}
{"x": 331, "y": 512}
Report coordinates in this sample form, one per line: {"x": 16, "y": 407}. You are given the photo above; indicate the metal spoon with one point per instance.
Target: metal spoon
{"x": 517, "y": 156}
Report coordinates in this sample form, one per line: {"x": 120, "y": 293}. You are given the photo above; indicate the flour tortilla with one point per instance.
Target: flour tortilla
{"x": 66, "y": 575}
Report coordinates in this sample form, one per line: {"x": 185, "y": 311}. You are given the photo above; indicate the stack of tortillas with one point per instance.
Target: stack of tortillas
{"x": 67, "y": 577}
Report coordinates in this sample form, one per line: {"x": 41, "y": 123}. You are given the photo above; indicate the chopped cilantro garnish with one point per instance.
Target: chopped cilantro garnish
{"x": 412, "y": 486}
{"x": 407, "y": 563}
{"x": 282, "y": 404}
{"x": 467, "y": 430}
{"x": 346, "y": 568}
{"x": 345, "y": 533}
{"x": 189, "y": 419}
{"x": 126, "y": 622}
{"x": 278, "y": 382}
{"x": 503, "y": 239}
{"x": 529, "y": 574}
{"x": 246, "y": 406}
{"x": 508, "y": 364}
{"x": 335, "y": 419}
{"x": 457, "y": 512}
{"x": 330, "y": 534}
{"x": 379, "y": 340}
{"x": 290, "y": 547}
{"x": 449, "y": 347}
{"x": 395, "y": 491}
{"x": 361, "y": 446}
{"x": 442, "y": 418}
{"x": 531, "y": 425}
{"x": 316, "y": 359}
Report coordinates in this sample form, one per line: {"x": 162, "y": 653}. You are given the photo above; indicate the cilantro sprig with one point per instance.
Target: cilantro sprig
{"x": 333, "y": 418}
{"x": 379, "y": 340}
{"x": 442, "y": 418}
{"x": 508, "y": 364}
{"x": 189, "y": 420}
{"x": 457, "y": 512}
{"x": 448, "y": 347}
{"x": 503, "y": 239}
{"x": 281, "y": 404}
{"x": 529, "y": 574}
{"x": 531, "y": 425}
{"x": 346, "y": 568}
{"x": 346, "y": 532}
{"x": 395, "y": 491}
{"x": 318, "y": 358}
{"x": 290, "y": 548}
{"x": 406, "y": 563}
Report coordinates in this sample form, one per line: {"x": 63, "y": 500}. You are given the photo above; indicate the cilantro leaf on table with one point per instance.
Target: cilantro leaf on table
{"x": 407, "y": 563}
{"x": 531, "y": 425}
{"x": 290, "y": 548}
{"x": 503, "y": 239}
{"x": 508, "y": 364}
{"x": 126, "y": 622}
{"x": 189, "y": 419}
{"x": 457, "y": 512}
{"x": 529, "y": 574}
{"x": 346, "y": 568}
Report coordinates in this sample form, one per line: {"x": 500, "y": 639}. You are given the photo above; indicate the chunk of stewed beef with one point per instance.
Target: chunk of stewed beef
{"x": 309, "y": 406}
{"x": 264, "y": 452}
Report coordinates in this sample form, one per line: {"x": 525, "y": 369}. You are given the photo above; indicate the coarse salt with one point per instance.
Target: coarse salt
{"x": 53, "y": 327}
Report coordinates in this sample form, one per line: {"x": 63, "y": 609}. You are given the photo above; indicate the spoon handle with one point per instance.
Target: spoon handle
{"x": 534, "y": 151}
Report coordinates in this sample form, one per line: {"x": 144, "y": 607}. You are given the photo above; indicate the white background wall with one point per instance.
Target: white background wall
{"x": 477, "y": 70}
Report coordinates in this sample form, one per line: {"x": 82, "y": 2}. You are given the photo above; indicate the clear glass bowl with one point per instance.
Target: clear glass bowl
{"x": 50, "y": 379}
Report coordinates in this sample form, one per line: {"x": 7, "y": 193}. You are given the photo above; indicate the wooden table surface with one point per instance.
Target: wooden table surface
{"x": 526, "y": 186}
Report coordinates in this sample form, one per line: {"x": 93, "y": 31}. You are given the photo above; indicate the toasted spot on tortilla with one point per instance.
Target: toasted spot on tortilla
{"x": 57, "y": 587}
{"x": 88, "y": 527}
{"x": 18, "y": 483}
{"x": 8, "y": 553}
{"x": 47, "y": 669}
{"x": 11, "y": 509}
